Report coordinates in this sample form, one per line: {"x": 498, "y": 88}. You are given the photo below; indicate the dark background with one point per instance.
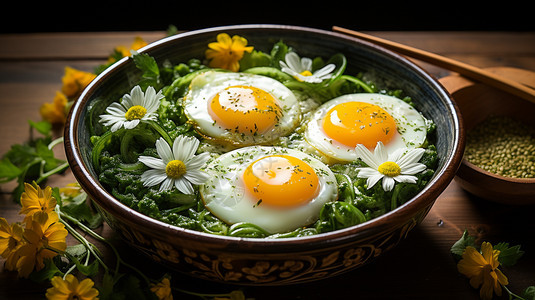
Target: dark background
{"x": 147, "y": 15}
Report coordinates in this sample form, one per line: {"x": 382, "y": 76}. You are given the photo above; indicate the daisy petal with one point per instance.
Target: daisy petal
{"x": 152, "y": 162}
{"x": 127, "y": 101}
{"x": 413, "y": 169}
{"x": 367, "y": 172}
{"x": 153, "y": 177}
{"x": 137, "y": 96}
{"x": 325, "y": 71}
{"x": 164, "y": 151}
{"x": 184, "y": 148}
{"x": 405, "y": 178}
{"x": 116, "y": 109}
{"x": 292, "y": 59}
{"x": 380, "y": 153}
{"x": 412, "y": 156}
{"x": 372, "y": 180}
{"x": 388, "y": 183}
{"x": 184, "y": 186}
{"x": 397, "y": 155}
{"x": 166, "y": 185}
{"x": 196, "y": 177}
{"x": 116, "y": 126}
{"x": 131, "y": 124}
{"x": 306, "y": 64}
{"x": 367, "y": 157}
{"x": 199, "y": 161}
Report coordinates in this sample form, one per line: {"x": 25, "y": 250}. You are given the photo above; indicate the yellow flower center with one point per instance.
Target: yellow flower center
{"x": 306, "y": 73}
{"x": 175, "y": 169}
{"x": 135, "y": 112}
{"x": 389, "y": 168}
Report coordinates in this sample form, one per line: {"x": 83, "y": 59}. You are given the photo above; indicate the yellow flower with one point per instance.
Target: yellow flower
{"x": 162, "y": 289}
{"x": 45, "y": 237}
{"x": 35, "y": 200}
{"x": 226, "y": 52}
{"x": 55, "y": 112}
{"x": 482, "y": 269}
{"x": 125, "y": 51}
{"x": 71, "y": 288}
{"x": 74, "y": 81}
{"x": 10, "y": 241}
{"x": 71, "y": 190}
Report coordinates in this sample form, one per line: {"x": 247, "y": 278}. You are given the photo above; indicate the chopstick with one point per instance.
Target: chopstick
{"x": 469, "y": 71}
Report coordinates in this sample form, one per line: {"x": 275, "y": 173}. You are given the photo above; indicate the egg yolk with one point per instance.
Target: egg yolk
{"x": 352, "y": 123}
{"x": 281, "y": 181}
{"x": 245, "y": 109}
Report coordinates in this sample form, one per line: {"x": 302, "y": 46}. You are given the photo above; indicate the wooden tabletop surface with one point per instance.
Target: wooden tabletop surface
{"x": 421, "y": 267}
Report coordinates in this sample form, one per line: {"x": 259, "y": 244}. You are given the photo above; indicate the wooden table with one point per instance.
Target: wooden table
{"x": 421, "y": 267}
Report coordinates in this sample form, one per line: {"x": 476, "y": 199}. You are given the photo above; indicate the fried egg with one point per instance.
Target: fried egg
{"x": 338, "y": 125}
{"x": 278, "y": 189}
{"x": 240, "y": 108}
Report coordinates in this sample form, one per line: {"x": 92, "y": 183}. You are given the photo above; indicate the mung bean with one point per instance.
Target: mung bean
{"x": 503, "y": 146}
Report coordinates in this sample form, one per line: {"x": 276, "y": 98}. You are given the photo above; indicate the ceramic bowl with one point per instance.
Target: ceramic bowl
{"x": 476, "y": 102}
{"x": 247, "y": 261}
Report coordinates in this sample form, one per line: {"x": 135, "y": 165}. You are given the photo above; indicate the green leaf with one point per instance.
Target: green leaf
{"x": 106, "y": 290}
{"x": 529, "y": 293}
{"x": 47, "y": 155}
{"x": 56, "y": 194}
{"x": 123, "y": 286}
{"x": 43, "y": 127}
{"x": 78, "y": 250}
{"x": 50, "y": 270}
{"x": 79, "y": 208}
{"x": 458, "y": 248}
{"x": 8, "y": 171}
{"x": 508, "y": 255}
{"x": 151, "y": 72}
{"x": 88, "y": 270}
{"x": 254, "y": 59}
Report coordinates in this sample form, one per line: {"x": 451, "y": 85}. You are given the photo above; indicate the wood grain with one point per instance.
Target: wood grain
{"x": 479, "y": 74}
{"x": 421, "y": 267}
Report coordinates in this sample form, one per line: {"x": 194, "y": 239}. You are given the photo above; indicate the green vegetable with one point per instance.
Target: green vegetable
{"x": 115, "y": 154}
{"x": 338, "y": 215}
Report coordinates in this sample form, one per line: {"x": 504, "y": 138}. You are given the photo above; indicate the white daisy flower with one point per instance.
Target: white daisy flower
{"x": 301, "y": 68}
{"x": 399, "y": 166}
{"x": 178, "y": 167}
{"x": 133, "y": 108}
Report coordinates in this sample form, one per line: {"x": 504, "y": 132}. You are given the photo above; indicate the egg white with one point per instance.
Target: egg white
{"x": 206, "y": 85}
{"x": 411, "y": 126}
{"x": 224, "y": 194}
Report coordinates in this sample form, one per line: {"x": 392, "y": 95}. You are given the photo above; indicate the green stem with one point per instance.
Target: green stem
{"x": 98, "y": 237}
{"x": 57, "y": 169}
{"x": 358, "y": 82}
{"x": 55, "y": 142}
{"x": 90, "y": 247}
{"x": 511, "y": 294}
{"x": 98, "y": 147}
{"x": 161, "y": 131}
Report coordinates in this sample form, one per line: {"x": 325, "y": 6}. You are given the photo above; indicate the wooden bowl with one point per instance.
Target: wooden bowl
{"x": 249, "y": 261}
{"x": 476, "y": 102}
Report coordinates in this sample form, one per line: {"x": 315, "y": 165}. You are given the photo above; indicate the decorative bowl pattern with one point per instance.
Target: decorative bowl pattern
{"x": 272, "y": 261}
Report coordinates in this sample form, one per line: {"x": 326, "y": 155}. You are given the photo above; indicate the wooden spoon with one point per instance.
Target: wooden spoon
{"x": 469, "y": 71}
